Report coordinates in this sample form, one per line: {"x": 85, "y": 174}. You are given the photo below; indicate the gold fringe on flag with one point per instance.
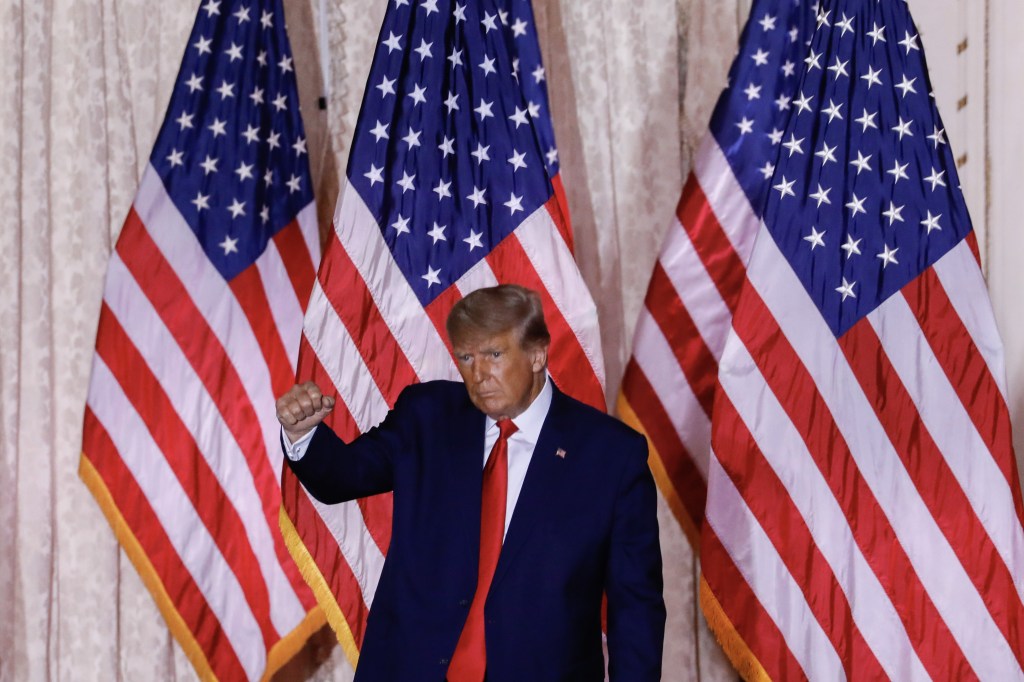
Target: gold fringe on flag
{"x": 668, "y": 491}
{"x": 740, "y": 655}
{"x": 279, "y": 654}
{"x": 316, "y": 581}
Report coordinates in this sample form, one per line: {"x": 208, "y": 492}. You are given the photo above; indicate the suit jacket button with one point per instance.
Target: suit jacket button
{"x": 443, "y": 661}
{"x": 463, "y": 602}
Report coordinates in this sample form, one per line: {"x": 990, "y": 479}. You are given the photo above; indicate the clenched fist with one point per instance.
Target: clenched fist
{"x": 302, "y": 408}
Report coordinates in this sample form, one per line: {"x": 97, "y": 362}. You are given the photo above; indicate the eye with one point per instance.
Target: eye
{"x": 495, "y": 354}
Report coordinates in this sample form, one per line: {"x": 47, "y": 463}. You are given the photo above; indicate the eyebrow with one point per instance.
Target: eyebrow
{"x": 482, "y": 351}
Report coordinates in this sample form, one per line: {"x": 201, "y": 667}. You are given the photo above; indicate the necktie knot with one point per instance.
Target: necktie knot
{"x": 506, "y": 428}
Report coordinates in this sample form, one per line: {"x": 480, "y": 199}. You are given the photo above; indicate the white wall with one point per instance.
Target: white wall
{"x": 974, "y": 50}
{"x": 1005, "y": 149}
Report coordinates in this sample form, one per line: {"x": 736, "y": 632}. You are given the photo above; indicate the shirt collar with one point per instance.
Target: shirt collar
{"x": 529, "y": 423}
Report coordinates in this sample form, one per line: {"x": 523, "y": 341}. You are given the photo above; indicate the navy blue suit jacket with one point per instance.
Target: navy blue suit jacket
{"x": 584, "y": 524}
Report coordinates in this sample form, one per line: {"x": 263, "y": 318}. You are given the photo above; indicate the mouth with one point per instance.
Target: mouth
{"x": 486, "y": 395}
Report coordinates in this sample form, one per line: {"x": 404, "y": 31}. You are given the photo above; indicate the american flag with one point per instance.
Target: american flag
{"x": 863, "y": 514}
{"x": 199, "y": 325}
{"x": 452, "y": 186}
{"x": 669, "y": 385}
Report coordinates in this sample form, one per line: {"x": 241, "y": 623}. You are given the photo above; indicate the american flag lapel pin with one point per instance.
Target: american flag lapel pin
{"x": 560, "y": 453}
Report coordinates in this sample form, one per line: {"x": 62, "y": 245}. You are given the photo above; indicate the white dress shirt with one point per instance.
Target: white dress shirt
{"x": 520, "y": 444}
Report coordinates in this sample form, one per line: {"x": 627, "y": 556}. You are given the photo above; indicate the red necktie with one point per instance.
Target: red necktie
{"x": 470, "y": 659}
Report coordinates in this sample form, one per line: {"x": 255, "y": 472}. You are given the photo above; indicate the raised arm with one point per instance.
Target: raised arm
{"x": 330, "y": 469}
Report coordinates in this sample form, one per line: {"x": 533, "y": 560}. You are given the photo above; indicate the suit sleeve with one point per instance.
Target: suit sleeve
{"x": 334, "y": 471}
{"x": 636, "y": 609}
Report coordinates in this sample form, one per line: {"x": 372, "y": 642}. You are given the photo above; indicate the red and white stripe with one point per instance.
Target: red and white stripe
{"x": 180, "y": 422}
{"x": 863, "y": 513}
{"x": 366, "y": 337}
{"x": 670, "y": 379}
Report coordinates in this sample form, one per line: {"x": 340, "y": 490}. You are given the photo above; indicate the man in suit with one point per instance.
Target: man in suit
{"x": 515, "y": 508}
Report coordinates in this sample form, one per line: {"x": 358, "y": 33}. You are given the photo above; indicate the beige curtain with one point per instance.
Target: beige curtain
{"x": 85, "y": 83}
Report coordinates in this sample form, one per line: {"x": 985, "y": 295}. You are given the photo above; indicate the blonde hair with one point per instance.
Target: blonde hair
{"x": 494, "y": 310}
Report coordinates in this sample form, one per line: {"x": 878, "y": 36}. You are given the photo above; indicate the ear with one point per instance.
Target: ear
{"x": 538, "y": 358}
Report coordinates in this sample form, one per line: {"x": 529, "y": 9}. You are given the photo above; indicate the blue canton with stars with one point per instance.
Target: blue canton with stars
{"x": 752, "y": 112}
{"x": 232, "y": 151}
{"x": 865, "y": 195}
{"x": 454, "y": 146}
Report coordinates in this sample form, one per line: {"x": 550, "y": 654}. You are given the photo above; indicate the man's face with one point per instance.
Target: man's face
{"x": 502, "y": 378}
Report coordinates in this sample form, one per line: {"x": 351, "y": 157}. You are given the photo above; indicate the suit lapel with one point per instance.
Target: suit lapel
{"x": 467, "y": 442}
{"x": 465, "y": 482}
{"x": 544, "y": 478}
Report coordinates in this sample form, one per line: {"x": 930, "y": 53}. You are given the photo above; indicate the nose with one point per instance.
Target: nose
{"x": 479, "y": 372}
